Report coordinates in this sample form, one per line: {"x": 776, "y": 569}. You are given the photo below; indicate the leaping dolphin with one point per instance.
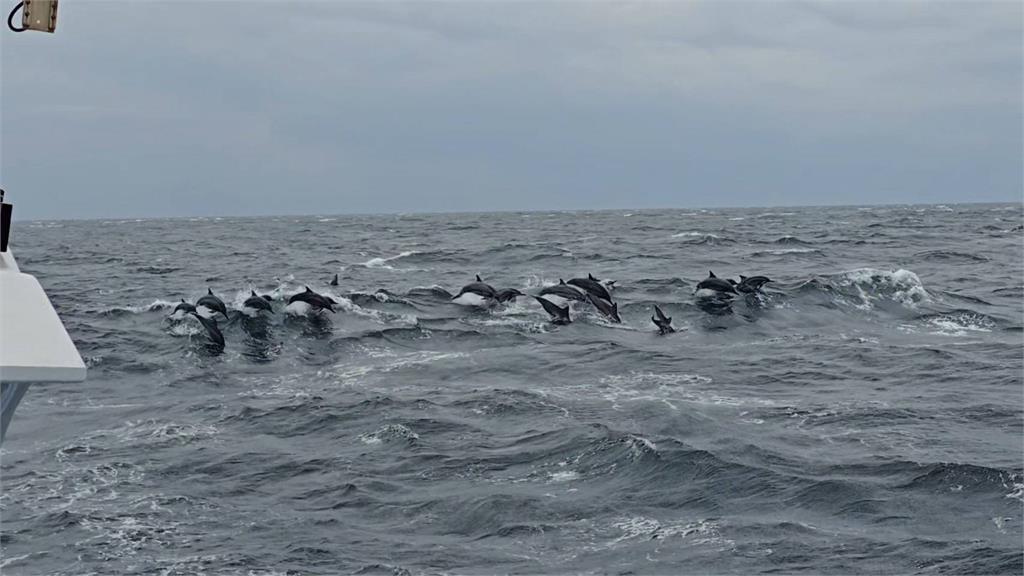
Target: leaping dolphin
{"x": 609, "y": 310}
{"x": 663, "y": 323}
{"x": 184, "y": 307}
{"x": 213, "y": 303}
{"x": 750, "y": 285}
{"x": 508, "y": 295}
{"x": 564, "y": 291}
{"x": 212, "y": 331}
{"x": 558, "y": 315}
{"x": 257, "y": 302}
{"x": 591, "y": 285}
{"x": 716, "y": 284}
{"x": 477, "y": 293}
{"x": 316, "y": 301}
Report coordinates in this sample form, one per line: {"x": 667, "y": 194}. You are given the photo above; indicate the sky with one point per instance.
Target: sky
{"x": 187, "y": 108}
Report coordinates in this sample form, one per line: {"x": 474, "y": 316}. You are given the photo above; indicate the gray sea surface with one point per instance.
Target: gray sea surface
{"x": 862, "y": 415}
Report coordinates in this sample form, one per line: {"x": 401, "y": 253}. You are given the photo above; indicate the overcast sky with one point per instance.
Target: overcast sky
{"x": 252, "y": 108}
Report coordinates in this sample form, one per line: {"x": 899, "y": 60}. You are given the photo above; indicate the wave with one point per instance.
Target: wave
{"x": 157, "y": 270}
{"x": 381, "y": 296}
{"x": 383, "y": 262}
{"x": 389, "y": 434}
{"x": 949, "y": 256}
{"x": 434, "y": 292}
{"x": 787, "y": 251}
{"x": 153, "y": 306}
{"x": 793, "y": 241}
{"x": 866, "y": 287}
{"x": 959, "y": 322}
{"x": 701, "y": 238}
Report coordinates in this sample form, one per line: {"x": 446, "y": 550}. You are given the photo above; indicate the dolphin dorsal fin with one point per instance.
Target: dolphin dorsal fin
{"x": 308, "y": 289}
{"x": 591, "y": 276}
{"x": 711, "y": 274}
{"x": 209, "y": 291}
{"x": 743, "y": 278}
{"x": 253, "y": 292}
{"x": 183, "y": 301}
{"x": 615, "y": 307}
{"x": 478, "y": 279}
{"x": 561, "y": 281}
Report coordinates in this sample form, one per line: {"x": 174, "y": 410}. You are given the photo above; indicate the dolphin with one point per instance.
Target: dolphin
{"x": 663, "y": 323}
{"x": 184, "y": 307}
{"x": 609, "y": 310}
{"x": 214, "y": 333}
{"x": 508, "y": 295}
{"x": 716, "y": 284}
{"x": 564, "y": 291}
{"x": 591, "y": 285}
{"x": 213, "y": 303}
{"x": 750, "y": 285}
{"x": 316, "y": 301}
{"x": 257, "y": 302}
{"x": 476, "y": 293}
{"x": 335, "y": 281}
{"x": 558, "y": 315}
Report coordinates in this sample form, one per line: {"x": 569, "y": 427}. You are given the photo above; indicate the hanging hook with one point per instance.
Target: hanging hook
{"x": 10, "y": 18}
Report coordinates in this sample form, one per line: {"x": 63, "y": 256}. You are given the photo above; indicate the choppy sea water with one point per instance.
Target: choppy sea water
{"x": 863, "y": 415}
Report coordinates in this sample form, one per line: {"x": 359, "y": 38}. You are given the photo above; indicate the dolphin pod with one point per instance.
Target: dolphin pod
{"x": 554, "y": 299}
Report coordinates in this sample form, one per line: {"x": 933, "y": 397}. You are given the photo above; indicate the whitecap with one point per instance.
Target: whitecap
{"x": 389, "y": 433}
{"x": 872, "y": 285}
{"x": 694, "y": 234}
{"x": 564, "y": 476}
{"x": 383, "y": 262}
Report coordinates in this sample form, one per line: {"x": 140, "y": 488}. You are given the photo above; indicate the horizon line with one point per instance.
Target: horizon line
{"x": 501, "y": 211}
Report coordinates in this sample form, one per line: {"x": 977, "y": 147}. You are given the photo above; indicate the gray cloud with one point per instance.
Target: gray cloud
{"x": 160, "y": 108}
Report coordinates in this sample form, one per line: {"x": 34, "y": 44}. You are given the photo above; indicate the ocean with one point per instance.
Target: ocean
{"x": 862, "y": 415}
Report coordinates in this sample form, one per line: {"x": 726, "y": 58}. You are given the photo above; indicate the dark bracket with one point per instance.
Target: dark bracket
{"x": 5, "y": 221}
